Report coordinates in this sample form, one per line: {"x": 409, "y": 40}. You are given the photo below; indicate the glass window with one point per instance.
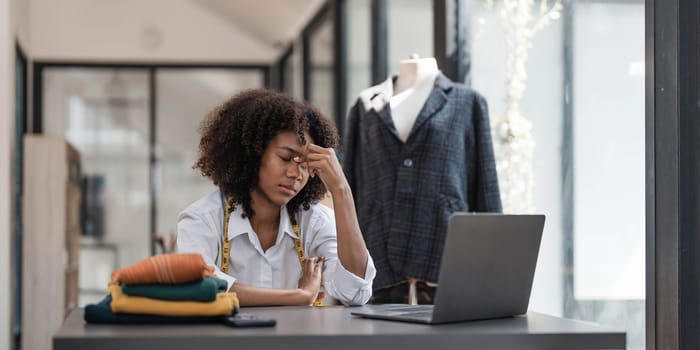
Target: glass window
{"x": 103, "y": 112}
{"x": 359, "y": 70}
{"x": 410, "y": 30}
{"x": 591, "y": 263}
{"x": 321, "y": 83}
{"x": 542, "y": 105}
{"x": 608, "y": 164}
{"x": 184, "y": 97}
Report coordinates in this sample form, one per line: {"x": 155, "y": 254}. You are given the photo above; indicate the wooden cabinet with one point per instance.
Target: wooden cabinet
{"x": 51, "y": 237}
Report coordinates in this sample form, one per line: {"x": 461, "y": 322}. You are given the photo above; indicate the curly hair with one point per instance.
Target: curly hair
{"x": 234, "y": 137}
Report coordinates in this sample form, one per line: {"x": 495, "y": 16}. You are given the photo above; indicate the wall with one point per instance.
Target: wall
{"x": 139, "y": 31}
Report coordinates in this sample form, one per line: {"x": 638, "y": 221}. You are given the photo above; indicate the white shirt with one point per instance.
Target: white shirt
{"x": 405, "y": 106}
{"x": 200, "y": 230}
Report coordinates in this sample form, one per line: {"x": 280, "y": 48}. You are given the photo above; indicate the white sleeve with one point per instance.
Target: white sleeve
{"x": 196, "y": 234}
{"x": 340, "y": 283}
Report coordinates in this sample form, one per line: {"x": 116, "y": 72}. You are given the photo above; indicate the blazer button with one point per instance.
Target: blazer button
{"x": 407, "y": 163}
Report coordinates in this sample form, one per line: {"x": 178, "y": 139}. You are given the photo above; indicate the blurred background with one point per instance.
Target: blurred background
{"x": 126, "y": 84}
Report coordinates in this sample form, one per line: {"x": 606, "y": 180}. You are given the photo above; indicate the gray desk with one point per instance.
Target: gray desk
{"x": 333, "y": 328}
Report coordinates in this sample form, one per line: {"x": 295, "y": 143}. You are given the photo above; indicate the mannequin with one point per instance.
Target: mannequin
{"x": 411, "y": 89}
{"x": 417, "y": 148}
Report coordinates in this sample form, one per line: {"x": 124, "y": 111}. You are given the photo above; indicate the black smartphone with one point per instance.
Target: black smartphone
{"x": 247, "y": 320}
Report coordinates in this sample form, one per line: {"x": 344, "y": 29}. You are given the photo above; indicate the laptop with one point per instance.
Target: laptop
{"x": 487, "y": 268}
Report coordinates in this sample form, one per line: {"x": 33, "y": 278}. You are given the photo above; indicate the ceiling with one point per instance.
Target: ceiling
{"x": 272, "y": 22}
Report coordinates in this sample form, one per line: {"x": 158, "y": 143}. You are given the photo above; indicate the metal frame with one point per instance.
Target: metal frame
{"x": 17, "y": 190}
{"x": 37, "y": 125}
{"x": 151, "y": 68}
{"x": 340, "y": 66}
{"x": 673, "y": 169}
{"x": 379, "y": 14}
{"x": 281, "y": 68}
{"x": 451, "y": 43}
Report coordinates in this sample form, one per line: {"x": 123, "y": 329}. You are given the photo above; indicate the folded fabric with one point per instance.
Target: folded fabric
{"x": 165, "y": 269}
{"x": 204, "y": 290}
{"x": 226, "y": 304}
{"x": 102, "y": 313}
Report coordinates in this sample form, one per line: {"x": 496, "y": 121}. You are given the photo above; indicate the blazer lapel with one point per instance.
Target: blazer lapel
{"x": 385, "y": 115}
{"x": 436, "y": 100}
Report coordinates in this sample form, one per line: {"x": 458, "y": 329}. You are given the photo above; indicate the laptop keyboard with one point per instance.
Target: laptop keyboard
{"x": 411, "y": 308}
{"x": 412, "y": 311}
{"x": 417, "y": 314}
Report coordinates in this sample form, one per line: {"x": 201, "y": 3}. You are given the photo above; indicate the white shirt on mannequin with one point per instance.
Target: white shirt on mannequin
{"x": 411, "y": 91}
{"x": 405, "y": 98}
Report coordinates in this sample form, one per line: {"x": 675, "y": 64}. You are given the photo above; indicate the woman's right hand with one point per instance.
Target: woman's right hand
{"x": 310, "y": 281}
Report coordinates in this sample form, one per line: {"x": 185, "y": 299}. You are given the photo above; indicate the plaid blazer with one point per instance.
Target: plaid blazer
{"x": 405, "y": 192}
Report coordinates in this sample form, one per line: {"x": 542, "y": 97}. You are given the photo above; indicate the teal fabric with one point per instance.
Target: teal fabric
{"x": 204, "y": 290}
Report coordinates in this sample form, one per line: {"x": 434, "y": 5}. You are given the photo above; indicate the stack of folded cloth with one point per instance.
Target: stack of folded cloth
{"x": 168, "y": 288}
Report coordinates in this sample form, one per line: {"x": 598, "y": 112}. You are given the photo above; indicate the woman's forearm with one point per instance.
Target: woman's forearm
{"x": 352, "y": 251}
{"x": 256, "y": 296}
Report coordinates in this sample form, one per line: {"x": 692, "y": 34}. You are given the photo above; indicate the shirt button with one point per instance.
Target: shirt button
{"x": 407, "y": 163}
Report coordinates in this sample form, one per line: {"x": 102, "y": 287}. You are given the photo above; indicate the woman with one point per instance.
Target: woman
{"x": 272, "y": 160}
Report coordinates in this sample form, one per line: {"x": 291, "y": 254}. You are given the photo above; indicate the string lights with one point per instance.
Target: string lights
{"x": 514, "y": 144}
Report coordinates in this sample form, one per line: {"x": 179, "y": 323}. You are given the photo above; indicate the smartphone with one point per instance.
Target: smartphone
{"x": 247, "y": 320}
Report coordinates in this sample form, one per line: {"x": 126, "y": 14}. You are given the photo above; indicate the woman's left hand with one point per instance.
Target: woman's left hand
{"x": 323, "y": 162}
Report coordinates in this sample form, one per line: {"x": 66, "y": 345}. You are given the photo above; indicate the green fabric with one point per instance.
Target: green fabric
{"x": 204, "y": 290}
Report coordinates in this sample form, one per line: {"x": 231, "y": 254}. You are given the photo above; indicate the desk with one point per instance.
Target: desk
{"x": 333, "y": 328}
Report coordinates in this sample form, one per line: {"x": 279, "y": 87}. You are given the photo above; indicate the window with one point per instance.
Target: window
{"x": 136, "y": 129}
{"x": 410, "y": 30}
{"x": 584, "y": 95}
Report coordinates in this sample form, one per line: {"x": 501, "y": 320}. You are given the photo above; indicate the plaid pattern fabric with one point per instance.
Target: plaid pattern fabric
{"x": 165, "y": 269}
{"x": 405, "y": 192}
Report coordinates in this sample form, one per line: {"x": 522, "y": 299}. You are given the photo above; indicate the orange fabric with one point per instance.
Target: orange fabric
{"x": 165, "y": 269}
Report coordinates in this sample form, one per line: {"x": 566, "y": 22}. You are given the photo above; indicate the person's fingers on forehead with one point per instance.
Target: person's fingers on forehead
{"x": 314, "y": 148}
{"x": 300, "y": 155}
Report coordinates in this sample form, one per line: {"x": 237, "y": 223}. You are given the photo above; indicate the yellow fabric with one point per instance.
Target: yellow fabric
{"x": 224, "y": 305}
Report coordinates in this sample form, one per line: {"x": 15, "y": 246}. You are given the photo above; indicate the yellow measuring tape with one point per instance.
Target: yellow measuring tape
{"x": 226, "y": 245}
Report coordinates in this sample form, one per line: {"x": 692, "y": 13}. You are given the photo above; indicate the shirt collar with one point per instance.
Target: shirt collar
{"x": 285, "y": 224}
{"x": 376, "y": 97}
{"x": 238, "y": 225}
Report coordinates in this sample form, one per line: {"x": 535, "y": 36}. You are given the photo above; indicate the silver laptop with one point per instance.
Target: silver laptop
{"x": 487, "y": 268}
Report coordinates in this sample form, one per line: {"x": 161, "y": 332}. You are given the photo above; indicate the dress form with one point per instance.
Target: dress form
{"x": 411, "y": 90}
